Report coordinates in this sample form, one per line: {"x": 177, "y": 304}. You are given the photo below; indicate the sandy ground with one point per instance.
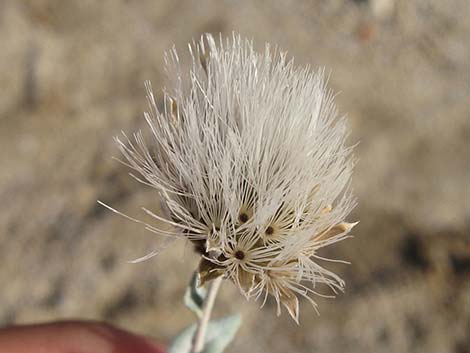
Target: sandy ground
{"x": 71, "y": 77}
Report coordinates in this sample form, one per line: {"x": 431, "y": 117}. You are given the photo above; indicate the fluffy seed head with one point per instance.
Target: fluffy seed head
{"x": 249, "y": 157}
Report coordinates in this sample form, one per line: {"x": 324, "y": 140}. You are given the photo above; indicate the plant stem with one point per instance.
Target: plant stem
{"x": 200, "y": 334}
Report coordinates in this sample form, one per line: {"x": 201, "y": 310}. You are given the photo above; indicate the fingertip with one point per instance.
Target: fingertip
{"x": 75, "y": 336}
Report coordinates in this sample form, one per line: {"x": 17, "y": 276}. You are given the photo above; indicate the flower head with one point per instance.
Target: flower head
{"x": 250, "y": 160}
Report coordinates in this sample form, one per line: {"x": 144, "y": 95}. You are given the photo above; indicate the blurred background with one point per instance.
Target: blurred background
{"x": 71, "y": 78}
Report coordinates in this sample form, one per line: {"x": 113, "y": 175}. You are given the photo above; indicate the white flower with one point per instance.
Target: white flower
{"x": 249, "y": 157}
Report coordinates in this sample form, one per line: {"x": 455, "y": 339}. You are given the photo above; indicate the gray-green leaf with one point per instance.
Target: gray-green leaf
{"x": 219, "y": 334}
{"x": 194, "y": 296}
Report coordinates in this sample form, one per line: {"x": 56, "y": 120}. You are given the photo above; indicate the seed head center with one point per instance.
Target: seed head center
{"x": 243, "y": 217}
{"x": 269, "y": 230}
{"x": 240, "y": 255}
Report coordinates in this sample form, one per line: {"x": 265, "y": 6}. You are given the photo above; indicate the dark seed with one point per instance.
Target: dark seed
{"x": 269, "y": 230}
{"x": 240, "y": 255}
{"x": 243, "y": 217}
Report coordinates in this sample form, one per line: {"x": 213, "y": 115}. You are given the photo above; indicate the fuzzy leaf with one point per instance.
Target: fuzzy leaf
{"x": 195, "y": 295}
{"x": 219, "y": 334}
{"x": 182, "y": 342}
